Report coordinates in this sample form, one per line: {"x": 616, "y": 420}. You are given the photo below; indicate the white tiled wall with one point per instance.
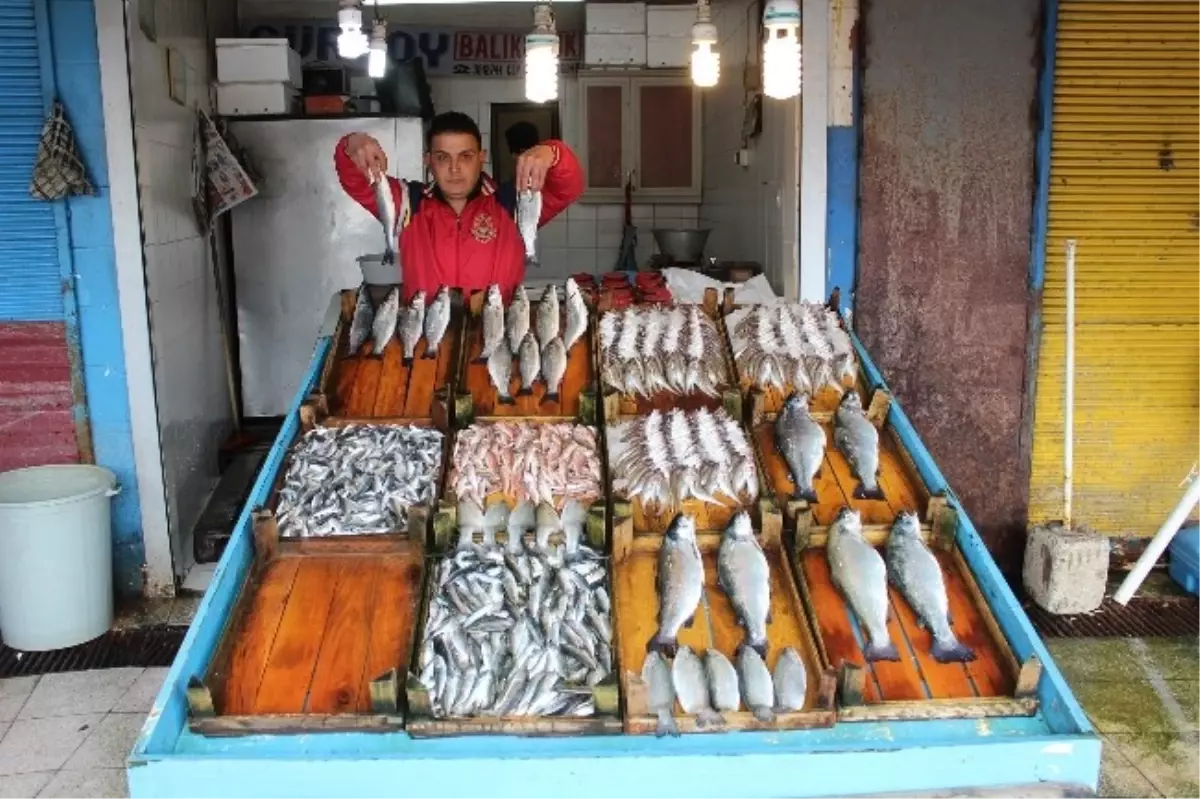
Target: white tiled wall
{"x": 193, "y": 408}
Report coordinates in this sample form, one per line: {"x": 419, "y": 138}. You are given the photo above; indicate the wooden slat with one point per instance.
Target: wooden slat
{"x": 832, "y": 617}
{"x": 898, "y": 679}
{"x": 256, "y": 635}
{"x": 727, "y": 634}
{"x": 289, "y": 670}
{"x": 830, "y": 496}
{"x": 898, "y": 489}
{"x": 420, "y": 383}
{"x": 944, "y": 680}
{"x": 337, "y": 680}
{"x": 393, "y": 379}
{"x": 987, "y": 670}
{"x": 874, "y": 511}
{"x": 345, "y": 374}
{"x": 397, "y": 598}
{"x": 361, "y": 399}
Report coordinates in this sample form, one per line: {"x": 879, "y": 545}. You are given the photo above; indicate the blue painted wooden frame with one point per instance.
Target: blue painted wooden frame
{"x": 1056, "y": 745}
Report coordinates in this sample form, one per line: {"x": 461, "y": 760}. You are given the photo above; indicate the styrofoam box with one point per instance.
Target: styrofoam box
{"x": 614, "y": 48}
{"x": 668, "y": 51}
{"x": 255, "y": 60}
{"x": 670, "y": 20}
{"x": 244, "y": 99}
{"x": 615, "y": 18}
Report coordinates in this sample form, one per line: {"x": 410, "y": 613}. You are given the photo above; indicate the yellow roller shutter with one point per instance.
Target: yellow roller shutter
{"x": 1125, "y": 183}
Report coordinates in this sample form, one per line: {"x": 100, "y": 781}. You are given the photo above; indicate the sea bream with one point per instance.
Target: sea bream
{"x": 529, "y": 363}
{"x": 801, "y": 442}
{"x": 412, "y": 325}
{"x": 745, "y": 577}
{"x": 548, "y": 315}
{"x": 722, "y": 682}
{"x": 499, "y": 365}
{"x": 680, "y": 582}
{"x": 861, "y": 576}
{"x": 791, "y": 682}
{"x": 577, "y": 315}
{"x": 554, "y": 366}
{"x": 384, "y": 325}
{"x": 915, "y": 572}
{"x": 360, "y": 323}
{"x": 389, "y": 217}
{"x": 758, "y": 691}
{"x": 529, "y": 214}
{"x": 691, "y": 687}
{"x": 660, "y": 693}
{"x": 493, "y": 323}
{"x": 516, "y": 319}
{"x": 437, "y": 319}
{"x": 858, "y": 439}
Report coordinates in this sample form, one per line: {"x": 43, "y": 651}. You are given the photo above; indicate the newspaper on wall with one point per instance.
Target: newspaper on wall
{"x": 228, "y": 182}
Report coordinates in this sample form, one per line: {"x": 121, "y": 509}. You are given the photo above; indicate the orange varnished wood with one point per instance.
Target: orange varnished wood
{"x": 393, "y": 613}
{"x": 256, "y": 636}
{"x": 943, "y": 680}
{"x": 830, "y": 497}
{"x": 874, "y": 511}
{"x": 833, "y": 619}
{"x": 987, "y": 670}
{"x": 339, "y": 673}
{"x": 708, "y": 516}
{"x": 898, "y": 679}
{"x": 422, "y": 380}
{"x": 361, "y": 400}
{"x": 393, "y": 378}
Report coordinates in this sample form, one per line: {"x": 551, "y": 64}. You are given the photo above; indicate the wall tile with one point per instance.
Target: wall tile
{"x": 581, "y": 233}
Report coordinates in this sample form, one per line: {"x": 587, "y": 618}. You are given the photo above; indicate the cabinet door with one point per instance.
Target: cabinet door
{"x": 666, "y": 121}
{"x": 605, "y": 134}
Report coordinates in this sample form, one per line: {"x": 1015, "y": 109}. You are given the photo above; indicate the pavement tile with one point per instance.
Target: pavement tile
{"x": 1119, "y": 777}
{"x": 1176, "y": 658}
{"x": 14, "y": 692}
{"x": 97, "y": 782}
{"x": 76, "y": 692}
{"x": 22, "y": 786}
{"x": 109, "y": 744}
{"x": 1187, "y": 694}
{"x": 1170, "y": 761}
{"x": 183, "y": 608}
{"x": 1123, "y": 707}
{"x": 140, "y": 696}
{"x": 44, "y": 744}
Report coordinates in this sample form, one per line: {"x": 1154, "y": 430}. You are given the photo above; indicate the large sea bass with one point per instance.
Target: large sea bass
{"x": 680, "y": 582}
{"x": 801, "y": 442}
{"x": 860, "y": 574}
{"x": 859, "y": 440}
{"x": 745, "y": 578}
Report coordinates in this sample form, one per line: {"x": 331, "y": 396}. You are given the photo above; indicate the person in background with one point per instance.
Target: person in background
{"x": 461, "y": 231}
{"x": 520, "y": 137}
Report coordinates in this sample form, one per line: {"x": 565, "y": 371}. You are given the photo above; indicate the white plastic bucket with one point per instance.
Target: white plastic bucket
{"x": 376, "y": 273}
{"x": 56, "y": 585}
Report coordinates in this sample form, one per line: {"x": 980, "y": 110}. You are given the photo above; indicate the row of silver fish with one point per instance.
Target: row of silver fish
{"x": 649, "y": 350}
{"x": 861, "y": 574}
{"x": 358, "y": 479}
{"x": 802, "y": 346}
{"x": 409, "y": 323}
{"x": 712, "y": 686}
{"x": 801, "y": 442}
{"x": 665, "y": 458}
{"x": 539, "y": 461}
{"x": 521, "y": 628}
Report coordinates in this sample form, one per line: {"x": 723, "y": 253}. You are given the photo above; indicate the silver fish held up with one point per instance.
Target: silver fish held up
{"x": 680, "y": 582}
{"x": 801, "y": 442}
{"x": 691, "y": 688}
{"x": 437, "y": 319}
{"x": 854, "y": 435}
{"x": 493, "y": 323}
{"x": 791, "y": 682}
{"x": 745, "y": 577}
{"x": 412, "y": 325}
{"x": 660, "y": 693}
{"x": 861, "y": 576}
{"x": 384, "y": 325}
{"x": 360, "y": 323}
{"x": 389, "y": 217}
{"x": 915, "y": 572}
{"x": 529, "y": 213}
{"x": 529, "y": 362}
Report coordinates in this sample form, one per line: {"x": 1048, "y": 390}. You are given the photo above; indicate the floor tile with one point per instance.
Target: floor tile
{"x": 1176, "y": 658}
{"x": 109, "y": 744}
{"x": 96, "y": 691}
{"x": 1171, "y": 762}
{"x": 1187, "y": 694}
{"x": 13, "y": 694}
{"x": 1119, "y": 777}
{"x": 199, "y": 577}
{"x": 1124, "y": 707}
{"x": 102, "y": 782}
{"x": 21, "y": 786}
{"x": 43, "y": 744}
{"x": 140, "y": 696}
{"x": 183, "y": 609}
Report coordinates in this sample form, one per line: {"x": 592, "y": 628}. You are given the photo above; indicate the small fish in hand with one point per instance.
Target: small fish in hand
{"x": 529, "y": 213}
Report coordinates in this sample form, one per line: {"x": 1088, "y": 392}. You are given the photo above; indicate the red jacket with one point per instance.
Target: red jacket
{"x": 483, "y": 246}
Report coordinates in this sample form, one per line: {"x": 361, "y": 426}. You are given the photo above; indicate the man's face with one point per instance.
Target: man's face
{"x": 456, "y": 161}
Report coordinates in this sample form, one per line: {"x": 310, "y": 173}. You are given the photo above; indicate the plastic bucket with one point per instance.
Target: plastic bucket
{"x": 56, "y": 585}
{"x": 376, "y": 273}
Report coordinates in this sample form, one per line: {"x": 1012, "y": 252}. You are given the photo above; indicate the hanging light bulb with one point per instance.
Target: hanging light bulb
{"x": 706, "y": 62}
{"x": 781, "y": 49}
{"x": 351, "y": 42}
{"x": 541, "y": 57}
{"x": 377, "y": 57}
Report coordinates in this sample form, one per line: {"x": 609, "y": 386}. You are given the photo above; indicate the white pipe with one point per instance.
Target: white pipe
{"x": 1154, "y": 550}
{"x": 1069, "y": 400}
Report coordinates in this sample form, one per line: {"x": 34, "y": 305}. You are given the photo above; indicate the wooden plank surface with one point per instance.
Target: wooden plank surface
{"x": 833, "y": 622}
{"x": 394, "y": 612}
{"x": 942, "y": 680}
{"x": 339, "y": 672}
{"x": 987, "y": 670}
{"x": 257, "y": 635}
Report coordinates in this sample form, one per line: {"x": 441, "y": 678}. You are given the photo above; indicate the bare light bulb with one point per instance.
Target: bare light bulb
{"x": 781, "y": 49}
{"x": 351, "y": 42}
{"x": 377, "y": 57}
{"x": 541, "y": 58}
{"x": 706, "y": 62}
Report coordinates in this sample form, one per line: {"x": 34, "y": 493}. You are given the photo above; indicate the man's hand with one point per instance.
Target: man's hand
{"x": 532, "y": 166}
{"x": 366, "y": 154}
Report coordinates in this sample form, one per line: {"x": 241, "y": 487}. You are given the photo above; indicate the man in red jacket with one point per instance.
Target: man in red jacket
{"x": 462, "y": 231}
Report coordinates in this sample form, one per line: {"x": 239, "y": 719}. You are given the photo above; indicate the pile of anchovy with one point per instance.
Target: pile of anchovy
{"x": 653, "y": 349}
{"x": 665, "y": 458}
{"x": 358, "y": 479}
{"x": 802, "y": 346}
{"x": 539, "y": 462}
{"x": 518, "y": 630}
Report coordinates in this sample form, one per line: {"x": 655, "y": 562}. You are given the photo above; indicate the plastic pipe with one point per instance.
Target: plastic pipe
{"x": 1133, "y": 581}
{"x": 1069, "y": 400}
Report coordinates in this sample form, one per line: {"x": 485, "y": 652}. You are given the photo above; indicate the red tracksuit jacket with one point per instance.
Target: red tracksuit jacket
{"x": 470, "y": 252}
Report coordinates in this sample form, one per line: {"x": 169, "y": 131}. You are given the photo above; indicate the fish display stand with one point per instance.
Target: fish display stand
{"x": 191, "y": 745}
{"x": 364, "y": 386}
{"x": 477, "y": 397}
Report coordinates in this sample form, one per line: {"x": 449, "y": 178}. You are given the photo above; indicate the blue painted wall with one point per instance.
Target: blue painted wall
{"x": 76, "y": 73}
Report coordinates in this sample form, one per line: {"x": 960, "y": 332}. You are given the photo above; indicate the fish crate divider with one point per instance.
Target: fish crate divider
{"x": 464, "y": 399}
{"x": 939, "y": 531}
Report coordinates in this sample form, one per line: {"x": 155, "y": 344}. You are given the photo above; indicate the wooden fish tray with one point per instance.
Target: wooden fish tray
{"x": 916, "y": 687}
{"x": 364, "y": 386}
{"x": 715, "y": 625}
{"x": 477, "y": 397}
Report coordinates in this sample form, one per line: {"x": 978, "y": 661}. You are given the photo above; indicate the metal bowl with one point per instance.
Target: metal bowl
{"x": 681, "y": 246}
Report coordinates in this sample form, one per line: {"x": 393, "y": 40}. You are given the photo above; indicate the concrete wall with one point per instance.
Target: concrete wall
{"x": 946, "y": 202}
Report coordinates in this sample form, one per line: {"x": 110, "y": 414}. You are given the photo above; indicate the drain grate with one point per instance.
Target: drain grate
{"x": 1143, "y": 617}
{"x": 145, "y": 647}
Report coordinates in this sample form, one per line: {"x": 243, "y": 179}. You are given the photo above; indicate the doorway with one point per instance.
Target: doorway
{"x": 543, "y": 116}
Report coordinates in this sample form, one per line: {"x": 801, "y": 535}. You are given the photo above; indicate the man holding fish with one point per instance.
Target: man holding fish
{"x": 460, "y": 229}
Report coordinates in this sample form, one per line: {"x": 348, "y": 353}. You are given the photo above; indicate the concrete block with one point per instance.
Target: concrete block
{"x": 614, "y": 48}
{"x": 1066, "y": 571}
{"x": 616, "y": 18}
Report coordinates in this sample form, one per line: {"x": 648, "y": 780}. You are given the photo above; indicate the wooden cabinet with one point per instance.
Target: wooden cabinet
{"x": 645, "y": 124}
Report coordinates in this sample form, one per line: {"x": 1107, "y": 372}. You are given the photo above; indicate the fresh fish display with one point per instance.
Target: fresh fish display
{"x": 549, "y": 317}
{"x": 412, "y": 325}
{"x": 680, "y": 347}
{"x": 745, "y": 577}
{"x": 577, "y": 314}
{"x": 680, "y": 582}
{"x": 691, "y": 687}
{"x": 360, "y": 323}
{"x": 665, "y": 458}
{"x": 858, "y": 439}
{"x": 802, "y": 347}
{"x": 539, "y": 462}
{"x": 791, "y": 682}
{"x": 493, "y": 323}
{"x": 516, "y": 319}
{"x": 554, "y": 366}
{"x": 358, "y": 479}
{"x": 437, "y": 319}
{"x": 529, "y": 213}
{"x": 722, "y": 682}
{"x": 861, "y": 576}
{"x": 384, "y": 325}
{"x": 499, "y": 365}
{"x": 801, "y": 442}
{"x": 389, "y": 217}
{"x": 529, "y": 362}
{"x": 660, "y": 693}
{"x": 758, "y": 690}
{"x": 518, "y": 630}
{"x": 915, "y": 572}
